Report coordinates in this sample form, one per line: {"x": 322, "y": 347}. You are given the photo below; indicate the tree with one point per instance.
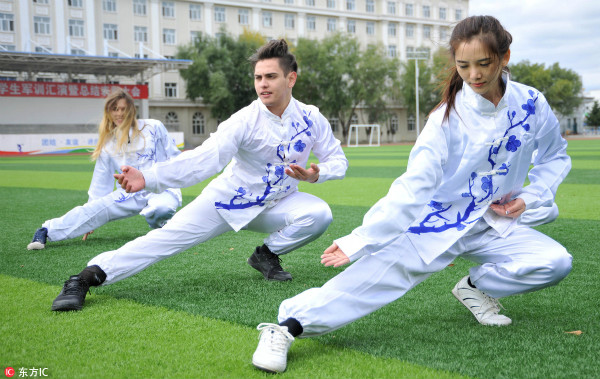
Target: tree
{"x": 561, "y": 87}
{"x": 592, "y": 118}
{"x": 338, "y": 77}
{"x": 220, "y": 73}
{"x": 431, "y": 75}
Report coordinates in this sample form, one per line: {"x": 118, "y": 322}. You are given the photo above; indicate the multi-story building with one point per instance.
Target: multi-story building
{"x": 154, "y": 29}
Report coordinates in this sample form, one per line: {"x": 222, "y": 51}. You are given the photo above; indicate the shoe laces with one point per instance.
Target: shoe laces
{"x": 75, "y": 286}
{"x": 278, "y": 336}
{"x": 275, "y": 262}
{"x": 490, "y": 305}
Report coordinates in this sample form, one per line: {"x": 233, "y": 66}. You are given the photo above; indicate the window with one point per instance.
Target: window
{"x": 195, "y": 12}
{"x": 7, "y": 23}
{"x": 391, "y": 7}
{"x": 370, "y": 28}
{"x": 139, "y": 7}
{"x": 289, "y": 1}
{"x": 170, "y": 90}
{"x": 243, "y": 16}
{"x": 194, "y": 35}
{"x": 7, "y": 78}
{"x": 410, "y": 30}
{"x": 140, "y": 34}
{"x": 75, "y": 3}
{"x": 351, "y": 26}
{"x": 442, "y": 13}
{"x": 392, "y": 51}
{"x": 76, "y": 28}
{"x": 335, "y": 124}
{"x": 354, "y": 119}
{"x": 267, "y": 18}
{"x": 408, "y": 10}
{"x": 168, "y": 9}
{"x": 145, "y": 56}
{"x": 426, "y": 11}
{"x": 351, "y": 5}
{"x": 370, "y": 6}
{"x": 169, "y": 36}
{"x": 443, "y": 33}
{"x": 311, "y": 23}
{"x": 331, "y": 4}
{"x": 331, "y": 24}
{"x": 392, "y": 29}
{"x": 48, "y": 80}
{"x": 75, "y": 51}
{"x": 109, "y": 5}
{"x": 410, "y": 123}
{"x": 426, "y": 31}
{"x": 458, "y": 14}
{"x": 113, "y": 54}
{"x": 409, "y": 50}
{"x": 110, "y": 32}
{"x": 394, "y": 124}
{"x": 40, "y": 1}
{"x": 310, "y": 3}
{"x": 41, "y": 25}
{"x": 8, "y": 48}
{"x": 198, "y": 123}
{"x": 171, "y": 120}
{"x": 290, "y": 21}
{"x": 219, "y": 14}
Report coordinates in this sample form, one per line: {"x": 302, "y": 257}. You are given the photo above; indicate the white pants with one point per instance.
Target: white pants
{"x": 526, "y": 260}
{"x": 157, "y": 208}
{"x": 295, "y": 221}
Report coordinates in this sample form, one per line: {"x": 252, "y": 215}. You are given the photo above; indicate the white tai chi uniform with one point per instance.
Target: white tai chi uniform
{"x": 439, "y": 210}
{"x": 107, "y": 204}
{"x": 253, "y": 192}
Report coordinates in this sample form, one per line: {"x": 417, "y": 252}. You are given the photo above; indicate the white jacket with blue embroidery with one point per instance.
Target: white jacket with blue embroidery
{"x": 458, "y": 167}
{"x": 256, "y": 146}
{"x": 155, "y": 146}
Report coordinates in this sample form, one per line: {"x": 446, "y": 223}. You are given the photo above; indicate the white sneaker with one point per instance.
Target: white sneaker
{"x": 271, "y": 353}
{"x": 485, "y": 308}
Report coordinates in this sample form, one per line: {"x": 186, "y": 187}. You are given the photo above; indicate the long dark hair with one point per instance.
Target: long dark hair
{"x": 492, "y": 35}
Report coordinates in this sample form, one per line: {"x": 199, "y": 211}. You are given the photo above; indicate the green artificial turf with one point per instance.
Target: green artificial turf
{"x": 194, "y": 315}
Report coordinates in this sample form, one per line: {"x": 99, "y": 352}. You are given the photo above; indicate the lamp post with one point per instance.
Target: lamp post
{"x": 417, "y": 56}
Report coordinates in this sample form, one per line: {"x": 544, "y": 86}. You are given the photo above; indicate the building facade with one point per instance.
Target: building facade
{"x": 154, "y": 29}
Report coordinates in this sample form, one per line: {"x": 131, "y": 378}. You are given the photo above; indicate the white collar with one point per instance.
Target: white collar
{"x": 483, "y": 105}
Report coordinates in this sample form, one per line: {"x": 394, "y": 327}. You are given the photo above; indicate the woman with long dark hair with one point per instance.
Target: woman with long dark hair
{"x": 461, "y": 196}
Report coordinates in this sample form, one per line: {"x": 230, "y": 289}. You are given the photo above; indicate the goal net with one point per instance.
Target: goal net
{"x": 362, "y": 135}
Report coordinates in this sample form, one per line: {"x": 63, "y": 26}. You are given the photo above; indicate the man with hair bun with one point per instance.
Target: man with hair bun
{"x": 264, "y": 149}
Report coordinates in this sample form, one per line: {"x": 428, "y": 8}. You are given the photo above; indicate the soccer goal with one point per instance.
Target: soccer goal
{"x": 355, "y": 134}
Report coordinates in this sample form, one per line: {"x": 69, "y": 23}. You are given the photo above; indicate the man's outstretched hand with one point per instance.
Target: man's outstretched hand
{"x": 310, "y": 175}
{"x": 131, "y": 179}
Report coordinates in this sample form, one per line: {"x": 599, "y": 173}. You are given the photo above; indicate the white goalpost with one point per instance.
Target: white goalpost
{"x": 375, "y": 129}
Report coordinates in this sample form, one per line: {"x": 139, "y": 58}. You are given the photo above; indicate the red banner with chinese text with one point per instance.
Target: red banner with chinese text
{"x": 54, "y": 89}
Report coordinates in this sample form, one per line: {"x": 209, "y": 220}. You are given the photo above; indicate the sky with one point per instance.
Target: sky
{"x": 551, "y": 31}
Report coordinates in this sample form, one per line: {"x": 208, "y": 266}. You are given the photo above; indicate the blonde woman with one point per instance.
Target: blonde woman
{"x": 123, "y": 140}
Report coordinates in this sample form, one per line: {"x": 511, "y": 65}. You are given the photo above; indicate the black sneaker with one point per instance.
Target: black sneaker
{"x": 39, "y": 239}
{"x": 269, "y": 265}
{"x": 72, "y": 296}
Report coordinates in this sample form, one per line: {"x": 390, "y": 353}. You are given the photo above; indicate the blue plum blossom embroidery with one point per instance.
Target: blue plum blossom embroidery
{"x": 299, "y": 146}
{"x": 275, "y": 173}
{"x": 431, "y": 222}
{"x": 513, "y": 144}
{"x": 486, "y": 184}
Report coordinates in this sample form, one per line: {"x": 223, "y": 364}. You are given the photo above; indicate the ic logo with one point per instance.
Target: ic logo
{"x": 9, "y": 372}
